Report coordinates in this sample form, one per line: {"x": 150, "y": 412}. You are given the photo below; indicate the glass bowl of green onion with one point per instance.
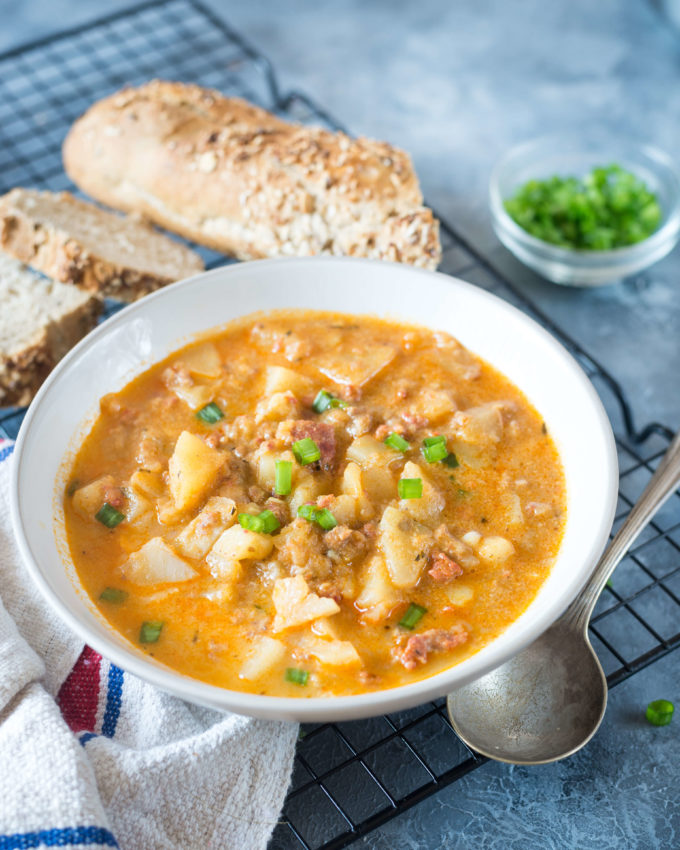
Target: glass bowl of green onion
{"x": 586, "y": 210}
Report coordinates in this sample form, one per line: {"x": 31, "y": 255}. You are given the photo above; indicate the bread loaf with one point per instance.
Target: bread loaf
{"x": 40, "y": 321}
{"x": 231, "y": 176}
{"x": 76, "y": 242}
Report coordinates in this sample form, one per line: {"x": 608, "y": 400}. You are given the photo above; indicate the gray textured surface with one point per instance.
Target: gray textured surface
{"x": 456, "y": 83}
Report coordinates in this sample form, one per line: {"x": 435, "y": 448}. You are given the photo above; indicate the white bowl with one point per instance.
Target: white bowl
{"x": 147, "y": 331}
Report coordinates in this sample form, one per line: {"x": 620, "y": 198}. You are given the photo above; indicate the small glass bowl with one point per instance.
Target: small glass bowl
{"x": 576, "y": 156}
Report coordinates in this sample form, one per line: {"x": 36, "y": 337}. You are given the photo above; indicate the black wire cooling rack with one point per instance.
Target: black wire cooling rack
{"x": 348, "y": 777}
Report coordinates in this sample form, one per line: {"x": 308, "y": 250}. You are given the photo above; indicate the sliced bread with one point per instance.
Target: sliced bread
{"x": 40, "y": 321}
{"x": 76, "y": 242}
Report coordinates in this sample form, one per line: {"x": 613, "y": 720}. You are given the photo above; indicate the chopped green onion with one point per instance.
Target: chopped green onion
{"x": 451, "y": 460}
{"x": 150, "y": 631}
{"x": 660, "y": 712}
{"x": 414, "y": 614}
{"x": 113, "y": 595}
{"x": 434, "y": 449}
{"x": 210, "y": 414}
{"x": 271, "y": 523}
{"x": 109, "y": 516}
{"x": 306, "y": 451}
{"x": 326, "y": 519}
{"x": 251, "y": 522}
{"x": 309, "y": 512}
{"x": 410, "y": 488}
{"x": 283, "y": 483}
{"x": 396, "y": 441}
{"x": 296, "y": 676}
{"x": 324, "y": 400}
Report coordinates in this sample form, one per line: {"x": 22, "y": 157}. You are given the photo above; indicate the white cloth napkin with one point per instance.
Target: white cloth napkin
{"x": 144, "y": 769}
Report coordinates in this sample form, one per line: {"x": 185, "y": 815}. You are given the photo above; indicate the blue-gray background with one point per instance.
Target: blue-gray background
{"x": 456, "y": 82}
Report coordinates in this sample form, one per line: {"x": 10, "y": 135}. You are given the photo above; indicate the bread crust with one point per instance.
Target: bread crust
{"x": 234, "y": 177}
{"x": 56, "y": 253}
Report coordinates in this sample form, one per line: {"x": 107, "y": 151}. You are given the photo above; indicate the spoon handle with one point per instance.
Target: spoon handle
{"x": 662, "y": 484}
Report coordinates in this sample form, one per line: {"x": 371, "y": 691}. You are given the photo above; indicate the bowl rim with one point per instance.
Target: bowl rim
{"x": 669, "y": 230}
{"x": 312, "y": 709}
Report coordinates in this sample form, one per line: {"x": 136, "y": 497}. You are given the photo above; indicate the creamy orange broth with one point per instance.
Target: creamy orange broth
{"x": 472, "y": 551}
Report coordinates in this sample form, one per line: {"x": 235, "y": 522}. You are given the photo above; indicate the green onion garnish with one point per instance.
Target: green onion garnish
{"x": 210, "y": 414}
{"x": 410, "y": 488}
{"x": 306, "y": 451}
{"x": 324, "y": 400}
{"x": 113, "y": 595}
{"x": 284, "y": 477}
{"x": 296, "y": 676}
{"x": 451, "y": 460}
{"x": 414, "y": 614}
{"x": 321, "y": 516}
{"x": 660, "y": 712}
{"x": 263, "y": 523}
{"x": 434, "y": 449}
{"x": 150, "y": 631}
{"x": 396, "y": 441}
{"x": 109, "y": 516}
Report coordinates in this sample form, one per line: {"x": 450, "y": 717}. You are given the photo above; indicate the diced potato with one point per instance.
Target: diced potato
{"x": 325, "y": 628}
{"x": 367, "y": 451}
{"x": 513, "y": 509}
{"x": 405, "y": 544}
{"x": 335, "y": 653}
{"x": 198, "y": 536}
{"x": 203, "y": 360}
{"x": 193, "y": 469}
{"x": 380, "y": 484}
{"x": 344, "y": 509}
{"x": 137, "y": 504}
{"x": 306, "y": 490}
{"x": 279, "y": 379}
{"x": 264, "y": 654}
{"x": 149, "y": 483}
{"x": 87, "y": 500}
{"x": 459, "y": 594}
{"x": 351, "y": 481}
{"x": 156, "y": 563}
{"x": 477, "y": 430}
{"x": 196, "y": 396}
{"x": 436, "y": 404}
{"x": 472, "y": 538}
{"x": 265, "y": 464}
{"x": 277, "y": 407}
{"x": 495, "y": 550}
{"x": 356, "y": 366}
{"x": 240, "y": 544}
{"x": 295, "y": 604}
{"x": 378, "y": 595}
{"x": 227, "y": 571}
{"x": 430, "y": 505}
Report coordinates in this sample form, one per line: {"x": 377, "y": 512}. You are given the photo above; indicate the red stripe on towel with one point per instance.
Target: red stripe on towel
{"x": 78, "y": 697}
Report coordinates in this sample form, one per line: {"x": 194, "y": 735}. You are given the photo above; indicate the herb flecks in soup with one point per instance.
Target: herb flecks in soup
{"x": 315, "y": 504}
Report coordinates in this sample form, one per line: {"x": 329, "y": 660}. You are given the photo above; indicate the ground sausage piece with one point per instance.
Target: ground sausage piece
{"x": 322, "y": 434}
{"x": 443, "y": 568}
{"x": 348, "y": 544}
{"x": 114, "y": 496}
{"x": 433, "y": 640}
{"x": 279, "y": 508}
{"x": 455, "y": 548}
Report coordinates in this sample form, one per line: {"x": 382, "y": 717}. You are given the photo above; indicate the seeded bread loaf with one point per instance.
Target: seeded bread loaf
{"x": 40, "y": 321}
{"x": 231, "y": 176}
{"x": 76, "y": 242}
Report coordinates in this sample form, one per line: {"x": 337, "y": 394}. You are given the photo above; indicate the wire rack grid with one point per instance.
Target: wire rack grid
{"x": 348, "y": 777}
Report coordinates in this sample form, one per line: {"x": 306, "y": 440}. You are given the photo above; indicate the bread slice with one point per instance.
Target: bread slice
{"x": 229, "y": 175}
{"x": 76, "y": 242}
{"x": 40, "y": 321}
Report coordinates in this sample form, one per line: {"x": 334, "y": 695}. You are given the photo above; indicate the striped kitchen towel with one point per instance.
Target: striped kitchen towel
{"x": 92, "y": 756}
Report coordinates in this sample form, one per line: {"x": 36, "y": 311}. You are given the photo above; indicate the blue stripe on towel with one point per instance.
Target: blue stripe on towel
{"x": 87, "y": 736}
{"x": 73, "y": 835}
{"x": 114, "y": 699}
{"x": 6, "y": 451}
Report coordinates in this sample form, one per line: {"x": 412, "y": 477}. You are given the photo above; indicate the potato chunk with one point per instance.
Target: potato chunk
{"x": 199, "y": 535}
{"x": 156, "y": 563}
{"x": 203, "y": 360}
{"x": 405, "y": 544}
{"x": 495, "y": 550}
{"x": 193, "y": 469}
{"x": 378, "y": 595}
{"x": 87, "y": 500}
{"x": 264, "y": 654}
{"x": 279, "y": 379}
{"x": 428, "y": 507}
{"x": 354, "y": 365}
{"x": 295, "y": 604}
{"x": 240, "y": 544}
{"x": 367, "y": 451}
{"x": 335, "y": 653}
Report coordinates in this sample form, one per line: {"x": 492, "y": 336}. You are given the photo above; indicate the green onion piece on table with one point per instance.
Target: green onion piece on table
{"x": 434, "y": 449}
{"x": 296, "y": 676}
{"x": 150, "y": 631}
{"x": 109, "y": 516}
{"x": 396, "y": 441}
{"x": 324, "y": 400}
{"x": 210, "y": 414}
{"x": 306, "y": 451}
{"x": 660, "y": 712}
{"x": 113, "y": 595}
{"x": 410, "y": 488}
{"x": 283, "y": 483}
{"x": 414, "y": 614}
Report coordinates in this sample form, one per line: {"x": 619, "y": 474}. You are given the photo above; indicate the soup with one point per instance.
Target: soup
{"x": 315, "y": 504}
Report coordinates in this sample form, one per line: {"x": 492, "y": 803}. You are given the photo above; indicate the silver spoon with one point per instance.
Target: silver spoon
{"x": 549, "y": 700}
